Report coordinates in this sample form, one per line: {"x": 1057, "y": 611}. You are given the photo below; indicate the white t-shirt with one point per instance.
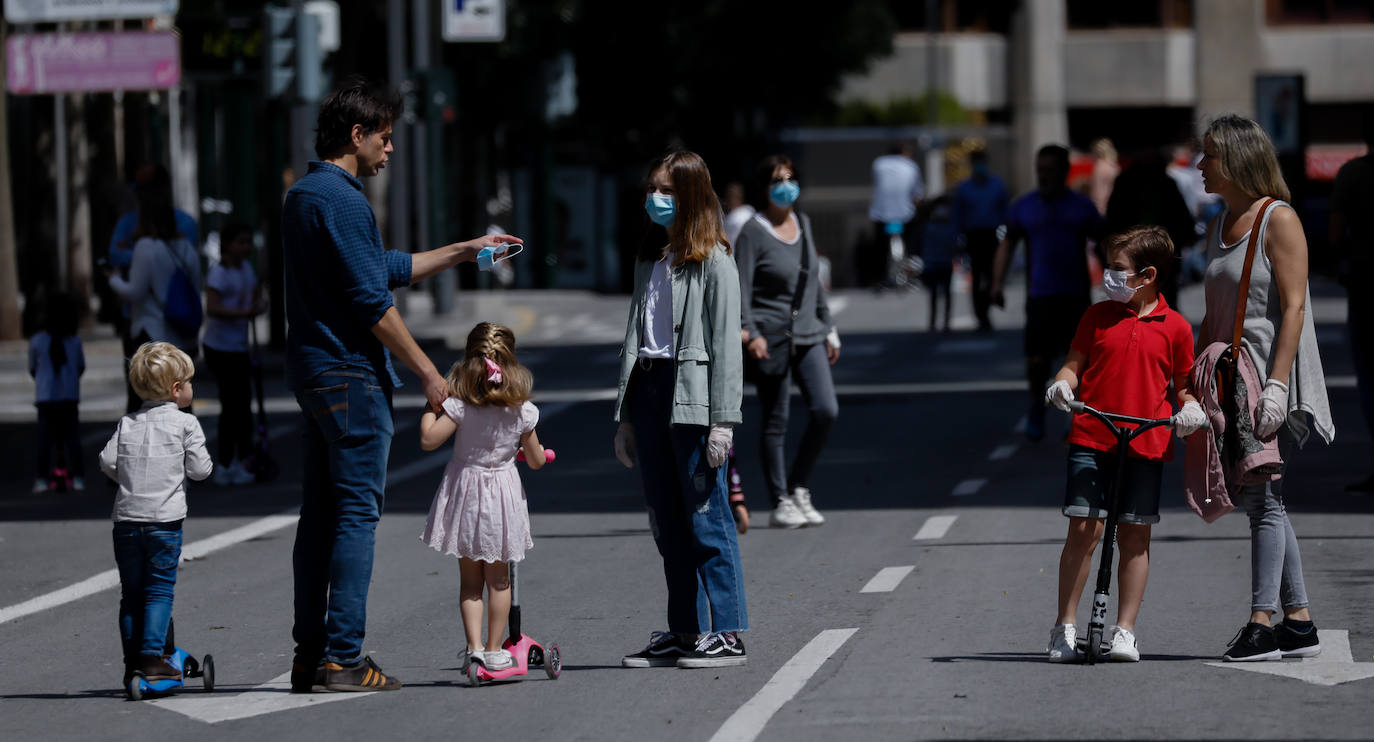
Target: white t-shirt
{"x": 235, "y": 287}
{"x": 657, "y": 325}
{"x": 896, "y": 187}
{"x": 735, "y": 221}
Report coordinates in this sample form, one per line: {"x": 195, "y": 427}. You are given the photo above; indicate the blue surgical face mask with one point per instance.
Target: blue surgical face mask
{"x": 784, "y": 194}
{"x": 662, "y": 209}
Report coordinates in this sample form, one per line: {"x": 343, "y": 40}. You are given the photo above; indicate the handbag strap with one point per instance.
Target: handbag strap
{"x": 1243, "y": 290}
{"x": 803, "y": 270}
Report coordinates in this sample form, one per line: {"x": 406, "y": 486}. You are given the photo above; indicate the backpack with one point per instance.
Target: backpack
{"x": 183, "y": 311}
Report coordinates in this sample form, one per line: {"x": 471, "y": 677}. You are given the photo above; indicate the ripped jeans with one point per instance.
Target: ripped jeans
{"x": 689, "y": 511}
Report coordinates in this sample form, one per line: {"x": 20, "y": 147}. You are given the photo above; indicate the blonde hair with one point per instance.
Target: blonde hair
{"x": 467, "y": 380}
{"x": 157, "y": 366}
{"x": 1245, "y": 157}
{"x": 699, "y": 225}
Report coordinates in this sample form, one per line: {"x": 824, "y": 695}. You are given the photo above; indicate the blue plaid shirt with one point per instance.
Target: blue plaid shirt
{"x": 338, "y": 277}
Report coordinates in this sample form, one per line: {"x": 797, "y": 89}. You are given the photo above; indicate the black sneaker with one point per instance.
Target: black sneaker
{"x": 721, "y": 649}
{"x": 306, "y": 676}
{"x": 363, "y": 675}
{"x": 1295, "y": 642}
{"x": 664, "y": 650}
{"x": 1253, "y": 643}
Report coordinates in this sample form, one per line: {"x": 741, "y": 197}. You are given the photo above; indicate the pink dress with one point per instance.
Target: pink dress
{"x": 479, "y": 509}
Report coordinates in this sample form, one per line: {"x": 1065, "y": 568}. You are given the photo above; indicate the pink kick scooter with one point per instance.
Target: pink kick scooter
{"x": 526, "y": 651}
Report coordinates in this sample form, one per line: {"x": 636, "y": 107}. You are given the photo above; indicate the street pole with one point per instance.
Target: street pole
{"x": 10, "y": 325}
{"x": 421, "y": 30}
{"x": 397, "y": 187}
{"x": 62, "y": 232}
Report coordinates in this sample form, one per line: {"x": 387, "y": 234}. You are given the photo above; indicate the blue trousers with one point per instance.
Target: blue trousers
{"x": 689, "y": 511}
{"x": 346, "y": 431}
{"x": 147, "y": 555}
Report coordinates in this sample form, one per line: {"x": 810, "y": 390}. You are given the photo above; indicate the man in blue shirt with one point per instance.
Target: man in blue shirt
{"x": 344, "y": 329}
{"x": 980, "y": 207}
{"x": 1056, "y": 225}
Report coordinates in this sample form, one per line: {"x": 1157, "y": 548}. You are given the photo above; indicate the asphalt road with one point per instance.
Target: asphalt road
{"x": 926, "y": 444}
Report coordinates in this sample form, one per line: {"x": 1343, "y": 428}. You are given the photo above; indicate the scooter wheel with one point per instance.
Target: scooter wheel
{"x": 190, "y": 668}
{"x": 207, "y": 673}
{"x": 136, "y": 688}
{"x": 474, "y": 676}
{"x": 1094, "y": 648}
{"x": 553, "y": 662}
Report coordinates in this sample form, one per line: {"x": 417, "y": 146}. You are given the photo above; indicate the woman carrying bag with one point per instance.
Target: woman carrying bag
{"x": 1240, "y": 165}
{"x": 787, "y": 333}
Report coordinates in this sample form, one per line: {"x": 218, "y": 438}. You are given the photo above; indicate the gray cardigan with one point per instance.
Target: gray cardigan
{"x": 768, "y": 270}
{"x": 709, "y": 383}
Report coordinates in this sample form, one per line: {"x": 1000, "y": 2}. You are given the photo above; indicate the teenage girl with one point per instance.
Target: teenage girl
{"x": 479, "y": 512}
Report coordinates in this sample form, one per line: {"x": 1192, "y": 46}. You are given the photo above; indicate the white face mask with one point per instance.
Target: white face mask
{"x": 1114, "y": 283}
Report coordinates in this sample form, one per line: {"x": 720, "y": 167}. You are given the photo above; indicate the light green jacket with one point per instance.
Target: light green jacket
{"x": 706, "y": 340}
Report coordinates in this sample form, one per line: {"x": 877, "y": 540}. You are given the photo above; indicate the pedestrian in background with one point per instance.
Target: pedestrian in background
{"x": 233, "y": 297}
{"x": 788, "y": 335}
{"x": 939, "y": 244}
{"x": 479, "y": 512}
{"x": 56, "y": 363}
{"x": 1240, "y": 165}
{"x": 1106, "y": 168}
{"x": 678, "y": 400}
{"x": 1352, "y": 236}
{"x": 1126, "y": 353}
{"x": 1056, "y": 224}
{"x": 152, "y": 453}
{"x": 344, "y": 329}
{"x": 897, "y": 189}
{"x": 164, "y": 276}
{"x": 738, "y": 211}
{"x": 1145, "y": 194}
{"x": 980, "y": 207}
{"x": 152, "y": 193}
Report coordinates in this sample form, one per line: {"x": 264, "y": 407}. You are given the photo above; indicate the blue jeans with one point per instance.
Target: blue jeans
{"x": 147, "y": 555}
{"x": 689, "y": 512}
{"x": 347, "y": 431}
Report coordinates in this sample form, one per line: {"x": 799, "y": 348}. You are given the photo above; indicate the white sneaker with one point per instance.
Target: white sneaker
{"x": 1124, "y": 648}
{"x": 801, "y": 497}
{"x": 39, "y": 486}
{"x": 1062, "y": 647}
{"x": 240, "y": 475}
{"x": 786, "y": 514}
{"x": 498, "y": 660}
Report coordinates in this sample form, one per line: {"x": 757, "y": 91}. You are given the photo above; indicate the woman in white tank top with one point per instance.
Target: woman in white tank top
{"x": 1239, "y": 164}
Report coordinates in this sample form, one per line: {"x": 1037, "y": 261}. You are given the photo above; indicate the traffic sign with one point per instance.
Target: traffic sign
{"x": 54, "y": 11}
{"x": 474, "y": 20}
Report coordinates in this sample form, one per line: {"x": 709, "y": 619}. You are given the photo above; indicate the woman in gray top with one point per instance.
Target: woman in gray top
{"x": 1239, "y": 164}
{"x": 770, "y": 253}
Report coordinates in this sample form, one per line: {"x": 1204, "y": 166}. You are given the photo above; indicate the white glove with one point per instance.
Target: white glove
{"x": 1273, "y": 409}
{"x": 1189, "y": 420}
{"x": 718, "y": 443}
{"x": 625, "y": 445}
{"x": 1059, "y": 394}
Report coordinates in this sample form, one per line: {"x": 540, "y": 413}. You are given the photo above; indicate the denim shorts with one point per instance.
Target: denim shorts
{"x": 1091, "y": 474}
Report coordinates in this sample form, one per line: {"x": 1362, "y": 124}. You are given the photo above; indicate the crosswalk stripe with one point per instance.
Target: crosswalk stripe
{"x": 935, "y": 527}
{"x": 887, "y": 579}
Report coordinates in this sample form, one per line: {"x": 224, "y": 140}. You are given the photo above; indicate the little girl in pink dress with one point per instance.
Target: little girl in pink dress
{"x": 479, "y": 512}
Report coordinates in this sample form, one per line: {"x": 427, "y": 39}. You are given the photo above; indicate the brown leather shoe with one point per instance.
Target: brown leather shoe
{"x": 158, "y": 668}
{"x": 306, "y": 676}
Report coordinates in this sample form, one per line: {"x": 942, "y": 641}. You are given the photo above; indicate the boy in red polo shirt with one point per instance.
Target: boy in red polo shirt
{"x": 1126, "y": 351}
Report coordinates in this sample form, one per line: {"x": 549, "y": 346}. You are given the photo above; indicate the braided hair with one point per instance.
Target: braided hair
{"x": 468, "y": 379}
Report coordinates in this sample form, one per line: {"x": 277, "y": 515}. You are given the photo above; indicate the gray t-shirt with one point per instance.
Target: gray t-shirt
{"x": 1308, "y": 407}
{"x": 768, "y": 271}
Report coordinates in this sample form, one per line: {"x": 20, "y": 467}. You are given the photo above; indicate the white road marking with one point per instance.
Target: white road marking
{"x": 261, "y": 527}
{"x": 968, "y": 487}
{"x": 1003, "y": 451}
{"x": 887, "y": 579}
{"x": 1335, "y": 665}
{"x": 748, "y": 721}
{"x": 274, "y": 695}
{"x": 935, "y": 527}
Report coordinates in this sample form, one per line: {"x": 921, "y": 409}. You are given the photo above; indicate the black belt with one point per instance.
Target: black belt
{"x": 649, "y": 364}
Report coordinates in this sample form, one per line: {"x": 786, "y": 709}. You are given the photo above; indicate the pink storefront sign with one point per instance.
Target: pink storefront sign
{"x": 46, "y": 63}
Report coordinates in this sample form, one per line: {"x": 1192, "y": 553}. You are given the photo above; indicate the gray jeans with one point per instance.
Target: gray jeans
{"x": 1275, "y": 562}
{"x": 811, "y": 370}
